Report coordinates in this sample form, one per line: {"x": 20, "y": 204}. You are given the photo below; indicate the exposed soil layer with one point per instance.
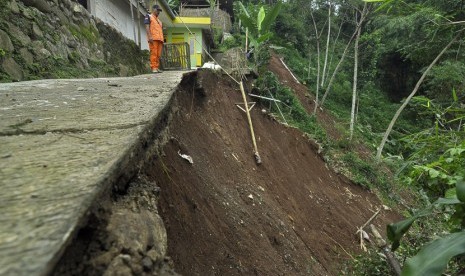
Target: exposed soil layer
{"x": 226, "y": 215}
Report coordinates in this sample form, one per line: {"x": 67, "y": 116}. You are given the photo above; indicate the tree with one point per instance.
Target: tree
{"x": 417, "y": 86}
{"x": 341, "y": 60}
{"x": 354, "y": 85}
{"x": 318, "y": 62}
{"x": 327, "y": 44}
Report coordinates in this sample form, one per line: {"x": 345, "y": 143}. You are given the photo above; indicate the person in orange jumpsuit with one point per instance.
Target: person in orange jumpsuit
{"x": 154, "y": 28}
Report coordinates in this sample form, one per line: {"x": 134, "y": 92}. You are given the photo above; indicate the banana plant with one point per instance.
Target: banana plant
{"x": 259, "y": 27}
{"x": 433, "y": 258}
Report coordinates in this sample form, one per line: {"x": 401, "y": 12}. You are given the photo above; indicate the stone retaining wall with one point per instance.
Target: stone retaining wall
{"x": 60, "y": 39}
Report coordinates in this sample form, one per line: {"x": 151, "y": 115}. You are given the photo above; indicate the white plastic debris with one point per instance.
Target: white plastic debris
{"x": 250, "y": 196}
{"x": 185, "y": 156}
{"x": 211, "y": 65}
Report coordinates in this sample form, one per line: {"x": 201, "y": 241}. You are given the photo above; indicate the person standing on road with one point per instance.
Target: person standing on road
{"x": 154, "y": 28}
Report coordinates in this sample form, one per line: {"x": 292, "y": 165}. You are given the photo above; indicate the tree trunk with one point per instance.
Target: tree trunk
{"x": 334, "y": 47}
{"x": 318, "y": 62}
{"x": 327, "y": 45}
{"x": 338, "y": 66}
{"x": 420, "y": 81}
{"x": 354, "y": 89}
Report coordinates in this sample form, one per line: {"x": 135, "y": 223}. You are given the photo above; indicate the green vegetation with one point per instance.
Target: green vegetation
{"x": 426, "y": 147}
{"x": 289, "y": 109}
{"x": 88, "y": 33}
{"x": 424, "y": 156}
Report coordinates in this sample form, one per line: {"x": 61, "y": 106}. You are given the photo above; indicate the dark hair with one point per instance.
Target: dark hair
{"x": 156, "y": 7}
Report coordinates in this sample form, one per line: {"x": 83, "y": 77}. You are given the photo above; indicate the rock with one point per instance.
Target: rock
{"x": 28, "y": 14}
{"x": 138, "y": 231}
{"x": 43, "y": 54}
{"x": 19, "y": 35}
{"x": 147, "y": 264}
{"x": 13, "y": 69}
{"x": 5, "y": 42}
{"x": 52, "y": 48}
{"x": 123, "y": 71}
{"x": 154, "y": 255}
{"x": 61, "y": 16}
{"x": 14, "y": 7}
{"x": 78, "y": 8}
{"x": 27, "y": 56}
{"x": 72, "y": 43}
{"x": 37, "y": 32}
{"x": 36, "y": 46}
{"x": 118, "y": 268}
{"x": 41, "y": 5}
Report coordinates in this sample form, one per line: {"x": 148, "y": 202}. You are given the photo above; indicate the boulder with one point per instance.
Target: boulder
{"x": 37, "y": 31}
{"x": 27, "y": 56}
{"x": 5, "y": 42}
{"x": 41, "y": 5}
{"x": 14, "y": 7}
{"x": 12, "y": 68}
{"x": 19, "y": 35}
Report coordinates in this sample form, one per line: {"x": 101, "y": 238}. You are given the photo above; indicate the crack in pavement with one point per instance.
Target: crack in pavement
{"x": 18, "y": 131}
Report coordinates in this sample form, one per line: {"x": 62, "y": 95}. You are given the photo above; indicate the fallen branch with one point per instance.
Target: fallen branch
{"x": 362, "y": 232}
{"x": 368, "y": 221}
{"x": 282, "y": 61}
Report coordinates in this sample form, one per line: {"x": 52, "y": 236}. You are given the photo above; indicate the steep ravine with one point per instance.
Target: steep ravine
{"x": 224, "y": 214}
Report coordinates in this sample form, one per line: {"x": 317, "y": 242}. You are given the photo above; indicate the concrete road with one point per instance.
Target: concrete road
{"x": 63, "y": 143}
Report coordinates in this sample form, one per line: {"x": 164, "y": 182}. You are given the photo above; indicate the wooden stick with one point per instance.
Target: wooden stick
{"x": 369, "y": 221}
{"x": 249, "y": 119}
{"x": 289, "y": 70}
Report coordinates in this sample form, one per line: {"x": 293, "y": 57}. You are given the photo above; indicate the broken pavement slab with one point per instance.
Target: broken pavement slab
{"x": 62, "y": 143}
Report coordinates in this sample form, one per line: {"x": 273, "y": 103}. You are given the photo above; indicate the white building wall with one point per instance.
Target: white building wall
{"x": 117, "y": 13}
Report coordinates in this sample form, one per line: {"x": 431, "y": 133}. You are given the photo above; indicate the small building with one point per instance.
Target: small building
{"x": 195, "y": 31}
{"x": 127, "y": 16}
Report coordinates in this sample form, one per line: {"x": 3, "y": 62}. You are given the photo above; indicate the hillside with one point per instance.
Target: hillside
{"x": 225, "y": 215}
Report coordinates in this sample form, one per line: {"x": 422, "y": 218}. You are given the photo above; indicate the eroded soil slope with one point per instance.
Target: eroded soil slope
{"x": 225, "y": 215}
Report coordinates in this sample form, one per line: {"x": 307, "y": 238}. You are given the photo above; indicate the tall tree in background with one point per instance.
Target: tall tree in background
{"x": 327, "y": 45}
{"x": 317, "y": 36}
{"x": 415, "y": 90}
{"x": 341, "y": 60}
{"x": 354, "y": 84}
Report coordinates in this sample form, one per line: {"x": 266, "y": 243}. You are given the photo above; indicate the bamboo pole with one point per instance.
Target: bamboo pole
{"x": 249, "y": 119}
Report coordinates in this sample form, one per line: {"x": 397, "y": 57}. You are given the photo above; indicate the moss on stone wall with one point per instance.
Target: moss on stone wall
{"x": 63, "y": 43}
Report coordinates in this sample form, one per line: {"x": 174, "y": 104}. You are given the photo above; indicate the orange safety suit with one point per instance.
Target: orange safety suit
{"x": 154, "y": 28}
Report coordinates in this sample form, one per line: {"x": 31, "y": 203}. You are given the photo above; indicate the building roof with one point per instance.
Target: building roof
{"x": 173, "y": 20}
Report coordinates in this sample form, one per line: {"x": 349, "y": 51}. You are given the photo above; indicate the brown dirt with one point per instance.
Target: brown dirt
{"x": 225, "y": 215}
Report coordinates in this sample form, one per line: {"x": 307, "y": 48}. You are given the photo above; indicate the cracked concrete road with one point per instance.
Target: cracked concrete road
{"x": 62, "y": 143}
